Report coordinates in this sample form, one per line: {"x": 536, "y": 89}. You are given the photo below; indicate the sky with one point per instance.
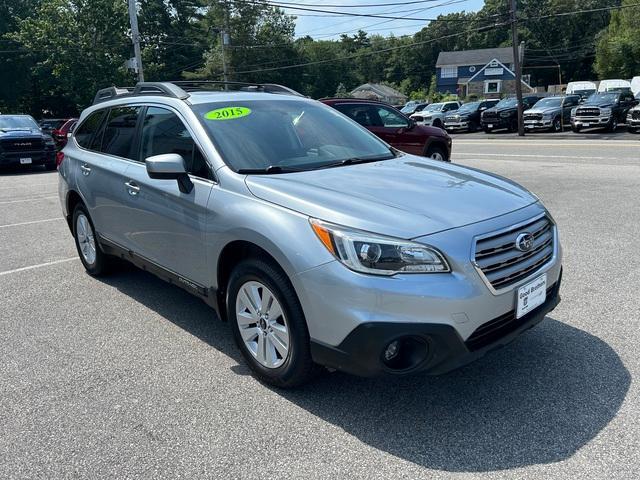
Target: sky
{"x": 327, "y": 26}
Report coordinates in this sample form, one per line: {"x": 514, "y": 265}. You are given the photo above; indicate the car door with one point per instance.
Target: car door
{"x": 367, "y": 116}
{"x": 104, "y": 141}
{"x": 164, "y": 225}
{"x": 406, "y": 137}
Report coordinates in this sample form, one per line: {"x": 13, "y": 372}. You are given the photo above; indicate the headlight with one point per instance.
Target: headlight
{"x": 605, "y": 112}
{"x": 505, "y": 114}
{"x": 371, "y": 253}
{"x": 49, "y": 141}
{"x": 573, "y": 111}
{"x": 428, "y": 117}
{"x": 547, "y": 115}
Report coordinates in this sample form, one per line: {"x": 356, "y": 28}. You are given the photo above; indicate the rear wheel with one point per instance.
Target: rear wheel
{"x": 437, "y": 152}
{"x": 268, "y": 324}
{"x": 95, "y": 261}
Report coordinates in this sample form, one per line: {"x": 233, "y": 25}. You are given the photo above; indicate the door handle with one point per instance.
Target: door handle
{"x": 85, "y": 169}
{"x": 132, "y": 188}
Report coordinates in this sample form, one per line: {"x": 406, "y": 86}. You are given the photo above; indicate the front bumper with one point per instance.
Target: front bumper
{"x": 442, "y": 348}
{"x": 461, "y": 125}
{"x": 338, "y": 302}
{"x": 40, "y": 157}
{"x": 496, "y": 124}
{"x": 633, "y": 123}
{"x": 590, "y": 122}
{"x": 538, "y": 124}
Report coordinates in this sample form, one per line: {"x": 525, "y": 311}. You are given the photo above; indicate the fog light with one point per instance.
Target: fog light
{"x": 392, "y": 350}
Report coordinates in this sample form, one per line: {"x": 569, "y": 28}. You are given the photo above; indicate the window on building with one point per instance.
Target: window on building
{"x": 449, "y": 72}
{"x": 492, "y": 86}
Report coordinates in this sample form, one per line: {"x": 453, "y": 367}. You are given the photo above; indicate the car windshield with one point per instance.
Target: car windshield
{"x": 285, "y": 135}
{"x": 469, "y": 107}
{"x": 17, "y": 122}
{"x": 408, "y": 108}
{"x": 597, "y": 98}
{"x": 434, "y": 107}
{"x": 549, "y": 102}
{"x": 507, "y": 102}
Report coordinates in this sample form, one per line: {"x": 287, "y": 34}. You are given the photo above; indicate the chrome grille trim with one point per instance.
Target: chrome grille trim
{"x": 502, "y": 267}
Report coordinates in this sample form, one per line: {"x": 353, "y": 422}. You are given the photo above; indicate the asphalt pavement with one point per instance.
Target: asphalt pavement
{"x": 129, "y": 377}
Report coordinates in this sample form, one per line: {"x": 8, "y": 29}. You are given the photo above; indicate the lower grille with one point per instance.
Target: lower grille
{"x": 493, "y": 330}
{"x": 503, "y": 264}
{"x": 588, "y": 112}
{"x": 635, "y": 114}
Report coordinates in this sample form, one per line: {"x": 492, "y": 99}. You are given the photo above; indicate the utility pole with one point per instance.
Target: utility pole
{"x": 135, "y": 38}
{"x": 224, "y": 39}
{"x": 517, "y": 66}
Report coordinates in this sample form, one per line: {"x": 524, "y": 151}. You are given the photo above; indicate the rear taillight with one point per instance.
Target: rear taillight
{"x": 59, "y": 159}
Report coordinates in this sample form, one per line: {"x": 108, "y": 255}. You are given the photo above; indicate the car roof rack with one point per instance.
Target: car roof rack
{"x": 180, "y": 89}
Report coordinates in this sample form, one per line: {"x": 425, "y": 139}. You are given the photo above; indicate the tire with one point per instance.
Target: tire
{"x": 437, "y": 152}
{"x": 437, "y": 123}
{"x": 613, "y": 126}
{"x": 556, "y": 126}
{"x": 95, "y": 261}
{"x": 632, "y": 129}
{"x": 281, "y": 365}
{"x": 473, "y": 127}
{"x": 513, "y": 127}
{"x": 575, "y": 129}
{"x": 487, "y": 130}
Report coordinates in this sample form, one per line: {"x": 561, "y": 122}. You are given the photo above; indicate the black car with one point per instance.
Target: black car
{"x": 467, "y": 117}
{"x": 603, "y": 110}
{"x": 505, "y": 114}
{"x": 22, "y": 142}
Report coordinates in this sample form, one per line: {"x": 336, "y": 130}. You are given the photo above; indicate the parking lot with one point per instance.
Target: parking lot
{"x": 127, "y": 376}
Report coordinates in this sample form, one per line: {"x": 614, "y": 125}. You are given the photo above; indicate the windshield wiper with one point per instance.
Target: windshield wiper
{"x": 355, "y": 160}
{"x": 269, "y": 169}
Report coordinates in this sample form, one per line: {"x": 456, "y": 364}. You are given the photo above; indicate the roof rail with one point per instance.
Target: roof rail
{"x": 204, "y": 85}
{"x": 180, "y": 89}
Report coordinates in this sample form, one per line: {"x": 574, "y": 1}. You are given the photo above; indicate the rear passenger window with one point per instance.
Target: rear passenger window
{"x": 89, "y": 127}
{"x": 163, "y": 132}
{"x": 119, "y": 134}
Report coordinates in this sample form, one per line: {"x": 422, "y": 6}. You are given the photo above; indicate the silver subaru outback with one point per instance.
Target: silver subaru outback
{"x": 320, "y": 244}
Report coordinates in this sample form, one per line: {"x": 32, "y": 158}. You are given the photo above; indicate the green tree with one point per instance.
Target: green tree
{"x": 618, "y": 46}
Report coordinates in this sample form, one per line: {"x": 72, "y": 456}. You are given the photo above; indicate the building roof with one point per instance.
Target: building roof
{"x": 379, "y": 89}
{"x": 475, "y": 57}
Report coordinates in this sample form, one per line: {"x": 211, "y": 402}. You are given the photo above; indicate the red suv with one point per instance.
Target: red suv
{"x": 61, "y": 134}
{"x": 395, "y": 128}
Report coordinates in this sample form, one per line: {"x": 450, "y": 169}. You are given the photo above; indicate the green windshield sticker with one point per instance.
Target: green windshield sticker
{"x": 227, "y": 113}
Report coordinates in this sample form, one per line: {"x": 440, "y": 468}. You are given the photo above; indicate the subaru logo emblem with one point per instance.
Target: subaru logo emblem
{"x": 524, "y": 242}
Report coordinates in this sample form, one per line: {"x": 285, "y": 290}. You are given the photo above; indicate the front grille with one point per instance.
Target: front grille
{"x": 635, "y": 114}
{"x": 22, "y": 144}
{"x": 533, "y": 116}
{"x": 588, "y": 112}
{"x": 489, "y": 116}
{"x": 503, "y": 264}
{"x": 493, "y": 330}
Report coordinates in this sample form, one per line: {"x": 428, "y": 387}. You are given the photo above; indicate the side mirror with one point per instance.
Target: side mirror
{"x": 169, "y": 166}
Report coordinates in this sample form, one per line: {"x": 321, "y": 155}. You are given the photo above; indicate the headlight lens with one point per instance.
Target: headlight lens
{"x": 377, "y": 254}
{"x": 605, "y": 111}
{"x": 49, "y": 141}
{"x": 573, "y": 111}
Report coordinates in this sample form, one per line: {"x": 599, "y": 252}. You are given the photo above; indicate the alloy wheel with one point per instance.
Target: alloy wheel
{"x": 262, "y": 324}
{"x": 86, "y": 239}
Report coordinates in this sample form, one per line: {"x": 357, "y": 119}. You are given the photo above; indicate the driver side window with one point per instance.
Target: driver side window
{"x": 163, "y": 132}
{"x": 392, "y": 119}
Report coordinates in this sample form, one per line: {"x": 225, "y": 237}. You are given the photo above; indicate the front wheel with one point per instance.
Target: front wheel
{"x": 268, "y": 324}
{"x": 473, "y": 127}
{"x": 557, "y": 125}
{"x": 436, "y": 152}
{"x": 613, "y": 125}
{"x": 575, "y": 129}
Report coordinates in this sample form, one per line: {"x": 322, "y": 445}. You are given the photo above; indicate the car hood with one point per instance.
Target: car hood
{"x": 406, "y": 197}
{"x": 21, "y": 133}
{"x": 601, "y": 105}
{"x": 543, "y": 110}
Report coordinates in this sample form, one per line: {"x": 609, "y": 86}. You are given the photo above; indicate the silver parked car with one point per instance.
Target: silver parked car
{"x": 551, "y": 113}
{"x": 319, "y": 243}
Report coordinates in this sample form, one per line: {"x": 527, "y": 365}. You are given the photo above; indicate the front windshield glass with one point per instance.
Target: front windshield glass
{"x": 549, "y": 102}
{"x": 507, "y": 102}
{"x": 286, "y": 134}
{"x": 9, "y": 122}
{"x": 408, "y": 108}
{"x": 602, "y": 98}
{"x": 469, "y": 107}
{"x": 434, "y": 107}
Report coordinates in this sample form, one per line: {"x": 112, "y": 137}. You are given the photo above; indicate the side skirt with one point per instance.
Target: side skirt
{"x": 208, "y": 294}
